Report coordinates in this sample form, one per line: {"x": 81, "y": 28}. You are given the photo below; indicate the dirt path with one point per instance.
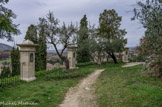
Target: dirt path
{"x": 132, "y": 64}
{"x": 82, "y": 95}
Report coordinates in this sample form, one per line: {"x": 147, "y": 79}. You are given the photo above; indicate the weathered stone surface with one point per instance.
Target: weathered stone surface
{"x": 72, "y": 56}
{"x": 27, "y": 61}
{"x": 125, "y": 55}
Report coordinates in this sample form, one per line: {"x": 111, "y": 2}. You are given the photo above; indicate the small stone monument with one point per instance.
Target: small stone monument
{"x": 125, "y": 55}
{"x": 72, "y": 56}
{"x": 27, "y": 60}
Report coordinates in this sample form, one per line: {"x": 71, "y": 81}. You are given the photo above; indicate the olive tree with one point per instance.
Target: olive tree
{"x": 149, "y": 13}
{"x": 59, "y": 36}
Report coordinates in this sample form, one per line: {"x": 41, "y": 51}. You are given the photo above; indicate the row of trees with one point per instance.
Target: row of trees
{"x": 106, "y": 38}
{"x": 97, "y": 43}
{"x": 92, "y": 42}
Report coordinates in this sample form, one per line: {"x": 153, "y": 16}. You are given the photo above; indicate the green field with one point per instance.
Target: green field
{"x": 127, "y": 87}
{"x": 47, "y": 90}
{"x": 115, "y": 87}
{"x": 1, "y": 61}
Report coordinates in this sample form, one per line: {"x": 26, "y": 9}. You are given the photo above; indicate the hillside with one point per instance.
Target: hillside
{"x": 4, "y": 47}
{"x": 132, "y": 48}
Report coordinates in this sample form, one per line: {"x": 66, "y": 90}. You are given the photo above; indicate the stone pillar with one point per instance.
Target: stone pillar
{"x": 125, "y": 55}
{"x": 72, "y": 56}
{"x": 27, "y": 61}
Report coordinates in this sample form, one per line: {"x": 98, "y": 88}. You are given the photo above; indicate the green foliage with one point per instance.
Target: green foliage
{"x": 82, "y": 50}
{"x": 83, "y": 54}
{"x": 150, "y": 16}
{"x": 5, "y": 61}
{"x": 109, "y": 23}
{"x": 43, "y": 73}
{"x": 42, "y": 48}
{"x": 51, "y": 61}
{"x": 56, "y": 35}
{"x": 7, "y": 28}
{"x": 70, "y": 74}
{"x": 5, "y": 72}
{"x": 95, "y": 49}
{"x": 112, "y": 36}
{"x": 84, "y": 64}
{"x": 15, "y": 61}
{"x": 137, "y": 59}
{"x": 31, "y": 34}
{"x": 116, "y": 45}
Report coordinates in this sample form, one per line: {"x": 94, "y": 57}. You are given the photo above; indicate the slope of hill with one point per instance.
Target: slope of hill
{"x": 4, "y": 47}
{"x": 132, "y": 48}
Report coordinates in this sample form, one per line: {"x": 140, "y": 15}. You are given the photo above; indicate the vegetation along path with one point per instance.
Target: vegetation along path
{"x": 82, "y": 94}
{"x": 132, "y": 64}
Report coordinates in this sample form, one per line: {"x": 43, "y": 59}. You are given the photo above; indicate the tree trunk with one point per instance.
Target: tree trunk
{"x": 66, "y": 61}
{"x": 67, "y": 64}
{"x": 113, "y": 57}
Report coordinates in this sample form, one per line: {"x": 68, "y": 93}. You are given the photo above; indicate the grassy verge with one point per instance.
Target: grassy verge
{"x": 1, "y": 61}
{"x": 48, "y": 90}
{"x": 127, "y": 87}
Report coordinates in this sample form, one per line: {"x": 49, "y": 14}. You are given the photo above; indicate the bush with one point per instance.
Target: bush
{"x": 137, "y": 59}
{"x": 43, "y": 73}
{"x": 68, "y": 74}
{"x": 84, "y": 64}
{"x": 5, "y": 72}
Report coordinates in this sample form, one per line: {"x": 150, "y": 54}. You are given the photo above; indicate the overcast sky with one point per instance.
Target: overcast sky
{"x": 28, "y": 12}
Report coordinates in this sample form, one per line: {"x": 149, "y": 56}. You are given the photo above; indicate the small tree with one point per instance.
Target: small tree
{"x": 31, "y": 34}
{"x": 15, "y": 61}
{"x": 7, "y": 28}
{"x": 95, "y": 49}
{"x": 83, "y": 52}
{"x": 42, "y": 47}
{"x": 5, "y": 72}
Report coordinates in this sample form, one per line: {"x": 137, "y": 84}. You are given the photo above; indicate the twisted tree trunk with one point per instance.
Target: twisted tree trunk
{"x": 113, "y": 57}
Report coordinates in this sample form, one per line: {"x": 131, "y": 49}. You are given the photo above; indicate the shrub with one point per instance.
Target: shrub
{"x": 43, "y": 73}
{"x": 84, "y": 64}
{"x": 68, "y": 74}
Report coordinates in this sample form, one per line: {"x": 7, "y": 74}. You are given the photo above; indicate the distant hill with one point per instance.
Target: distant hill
{"x": 53, "y": 51}
{"x": 132, "y": 48}
{"x": 4, "y": 47}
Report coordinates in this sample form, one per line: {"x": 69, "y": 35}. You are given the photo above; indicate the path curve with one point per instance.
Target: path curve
{"x": 82, "y": 95}
{"x": 133, "y": 64}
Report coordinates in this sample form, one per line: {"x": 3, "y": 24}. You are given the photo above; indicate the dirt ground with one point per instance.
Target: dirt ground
{"x": 82, "y": 95}
{"x": 132, "y": 64}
